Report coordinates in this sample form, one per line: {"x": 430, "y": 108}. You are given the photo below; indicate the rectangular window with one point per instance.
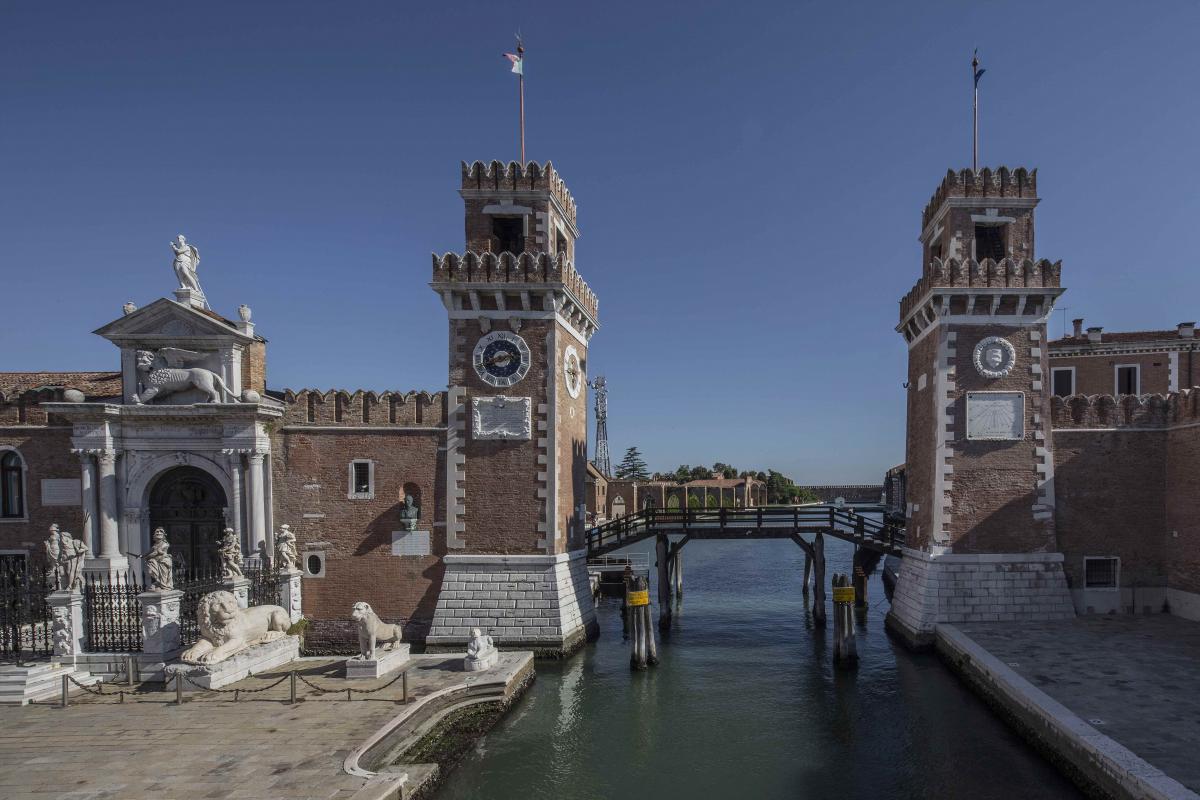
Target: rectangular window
{"x": 1128, "y": 379}
{"x": 362, "y": 480}
{"x": 1101, "y": 572}
{"x": 508, "y": 235}
{"x": 989, "y": 242}
{"x": 1064, "y": 381}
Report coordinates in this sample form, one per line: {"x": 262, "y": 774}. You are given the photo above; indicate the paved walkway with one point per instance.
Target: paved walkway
{"x": 1135, "y": 678}
{"x": 210, "y": 747}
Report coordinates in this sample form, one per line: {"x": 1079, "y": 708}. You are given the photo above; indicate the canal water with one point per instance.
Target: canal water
{"x": 746, "y": 704}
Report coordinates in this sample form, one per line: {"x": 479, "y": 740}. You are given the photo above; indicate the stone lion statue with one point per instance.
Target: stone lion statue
{"x": 226, "y": 628}
{"x": 373, "y": 630}
{"x": 164, "y": 372}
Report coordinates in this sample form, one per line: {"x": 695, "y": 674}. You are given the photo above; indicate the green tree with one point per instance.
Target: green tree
{"x": 723, "y": 470}
{"x": 633, "y": 466}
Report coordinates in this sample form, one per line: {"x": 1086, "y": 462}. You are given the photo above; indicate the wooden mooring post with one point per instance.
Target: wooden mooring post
{"x": 860, "y": 578}
{"x": 662, "y": 547}
{"x": 845, "y": 649}
{"x": 807, "y": 573}
{"x": 819, "y": 581}
{"x": 644, "y": 652}
{"x": 677, "y": 571}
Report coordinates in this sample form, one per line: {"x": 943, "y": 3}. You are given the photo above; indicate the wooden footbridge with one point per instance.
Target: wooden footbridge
{"x": 872, "y": 538}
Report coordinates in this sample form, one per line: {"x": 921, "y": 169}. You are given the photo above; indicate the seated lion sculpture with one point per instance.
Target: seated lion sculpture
{"x": 226, "y": 628}
{"x": 372, "y": 630}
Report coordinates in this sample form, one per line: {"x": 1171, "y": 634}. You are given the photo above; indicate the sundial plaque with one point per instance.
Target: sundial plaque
{"x": 996, "y": 416}
{"x": 501, "y": 417}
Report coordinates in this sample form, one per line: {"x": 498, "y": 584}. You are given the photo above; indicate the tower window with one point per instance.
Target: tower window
{"x": 560, "y": 244}
{"x": 12, "y": 486}
{"x": 508, "y": 234}
{"x": 989, "y": 242}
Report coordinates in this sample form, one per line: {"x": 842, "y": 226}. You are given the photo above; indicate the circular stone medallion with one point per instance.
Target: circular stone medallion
{"x": 995, "y": 357}
{"x": 573, "y": 371}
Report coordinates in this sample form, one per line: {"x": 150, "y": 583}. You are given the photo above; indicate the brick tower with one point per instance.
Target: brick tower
{"x": 516, "y": 456}
{"x": 979, "y": 455}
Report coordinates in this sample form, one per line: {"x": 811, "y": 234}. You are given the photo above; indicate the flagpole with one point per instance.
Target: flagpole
{"x": 521, "y": 84}
{"x": 975, "y": 114}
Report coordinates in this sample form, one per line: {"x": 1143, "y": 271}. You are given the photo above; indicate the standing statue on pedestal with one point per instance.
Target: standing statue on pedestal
{"x": 159, "y": 564}
{"x": 65, "y": 556}
{"x": 286, "y": 556}
{"x": 187, "y": 262}
{"x": 410, "y": 513}
{"x": 231, "y": 556}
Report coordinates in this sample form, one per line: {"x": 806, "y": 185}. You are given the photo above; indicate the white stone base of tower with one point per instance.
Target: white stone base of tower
{"x": 539, "y": 603}
{"x": 987, "y": 587}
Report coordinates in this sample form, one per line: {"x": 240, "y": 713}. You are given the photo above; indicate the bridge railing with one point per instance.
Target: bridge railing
{"x": 840, "y": 521}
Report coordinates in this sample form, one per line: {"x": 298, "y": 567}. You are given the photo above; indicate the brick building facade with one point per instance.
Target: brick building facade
{"x": 495, "y": 464}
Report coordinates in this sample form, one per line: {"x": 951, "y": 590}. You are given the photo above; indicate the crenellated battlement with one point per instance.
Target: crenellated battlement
{"x": 986, "y": 183}
{"x": 531, "y": 269}
{"x": 1155, "y": 411}
{"x": 359, "y": 408}
{"x": 514, "y": 177}
{"x": 987, "y": 274}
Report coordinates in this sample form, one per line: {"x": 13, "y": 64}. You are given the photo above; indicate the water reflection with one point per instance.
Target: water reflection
{"x": 746, "y": 703}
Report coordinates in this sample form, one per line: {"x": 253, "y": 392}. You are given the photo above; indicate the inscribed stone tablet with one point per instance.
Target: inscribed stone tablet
{"x": 61, "y": 492}
{"x": 996, "y": 415}
{"x": 501, "y": 417}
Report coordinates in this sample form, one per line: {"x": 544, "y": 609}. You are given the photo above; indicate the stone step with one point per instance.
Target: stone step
{"x": 20, "y": 685}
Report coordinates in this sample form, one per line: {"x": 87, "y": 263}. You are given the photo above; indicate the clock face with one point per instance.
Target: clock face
{"x": 501, "y": 358}
{"x": 573, "y": 371}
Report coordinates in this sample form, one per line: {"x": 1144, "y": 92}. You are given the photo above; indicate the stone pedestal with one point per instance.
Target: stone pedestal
{"x": 66, "y": 631}
{"x": 161, "y": 631}
{"x": 385, "y": 661}
{"x": 251, "y": 661}
{"x": 239, "y": 588}
{"x": 190, "y": 297}
{"x": 290, "y": 589}
{"x": 936, "y": 587}
{"x": 485, "y": 661}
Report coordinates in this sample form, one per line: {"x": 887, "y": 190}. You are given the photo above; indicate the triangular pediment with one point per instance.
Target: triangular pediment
{"x": 166, "y": 321}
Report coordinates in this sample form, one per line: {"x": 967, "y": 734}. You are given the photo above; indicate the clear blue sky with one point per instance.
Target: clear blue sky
{"x": 750, "y": 178}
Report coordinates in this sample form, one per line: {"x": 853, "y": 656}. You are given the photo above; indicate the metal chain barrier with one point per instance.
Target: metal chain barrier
{"x": 176, "y": 687}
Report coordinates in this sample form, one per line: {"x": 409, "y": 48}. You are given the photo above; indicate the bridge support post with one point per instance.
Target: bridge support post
{"x": 661, "y": 548}
{"x": 677, "y": 572}
{"x": 808, "y": 564}
{"x": 845, "y": 649}
{"x": 819, "y": 580}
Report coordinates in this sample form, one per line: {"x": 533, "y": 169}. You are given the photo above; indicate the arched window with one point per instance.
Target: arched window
{"x": 12, "y": 485}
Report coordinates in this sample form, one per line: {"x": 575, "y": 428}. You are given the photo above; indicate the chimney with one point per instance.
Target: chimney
{"x": 1094, "y": 334}
{"x": 1078, "y": 323}
{"x": 1187, "y": 330}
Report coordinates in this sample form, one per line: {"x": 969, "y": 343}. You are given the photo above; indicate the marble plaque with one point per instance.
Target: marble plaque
{"x": 501, "y": 417}
{"x": 996, "y": 415}
{"x": 61, "y": 492}
{"x": 410, "y": 543}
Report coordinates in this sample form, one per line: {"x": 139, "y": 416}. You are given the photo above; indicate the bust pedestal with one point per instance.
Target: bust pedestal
{"x": 190, "y": 297}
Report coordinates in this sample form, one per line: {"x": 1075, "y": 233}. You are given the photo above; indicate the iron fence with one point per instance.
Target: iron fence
{"x": 25, "y": 619}
{"x": 112, "y": 614}
{"x": 265, "y": 585}
{"x": 194, "y": 583}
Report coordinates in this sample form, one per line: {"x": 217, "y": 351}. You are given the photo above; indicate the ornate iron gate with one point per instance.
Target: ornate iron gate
{"x": 112, "y": 614}
{"x": 194, "y": 584}
{"x": 264, "y": 589}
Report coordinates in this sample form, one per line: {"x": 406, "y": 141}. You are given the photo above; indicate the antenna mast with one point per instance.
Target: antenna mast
{"x": 602, "y": 461}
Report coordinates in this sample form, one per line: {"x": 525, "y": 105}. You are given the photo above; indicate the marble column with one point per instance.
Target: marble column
{"x": 235, "y": 493}
{"x": 109, "y": 559}
{"x": 258, "y": 504}
{"x": 87, "y": 480}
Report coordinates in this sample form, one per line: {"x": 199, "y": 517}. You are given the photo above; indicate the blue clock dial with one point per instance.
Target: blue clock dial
{"x": 501, "y": 358}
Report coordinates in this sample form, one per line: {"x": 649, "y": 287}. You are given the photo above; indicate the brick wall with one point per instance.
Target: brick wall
{"x": 1181, "y": 553}
{"x": 47, "y": 454}
{"x": 571, "y": 435}
{"x": 310, "y": 476}
{"x": 1097, "y": 375}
